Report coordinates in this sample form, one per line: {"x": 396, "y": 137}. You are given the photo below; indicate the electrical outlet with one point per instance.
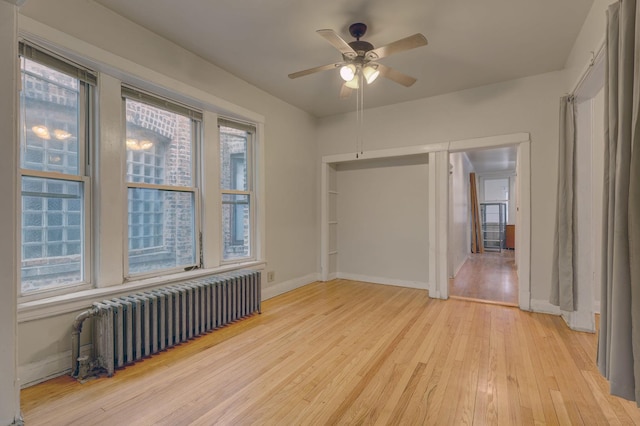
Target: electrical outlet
{"x": 271, "y": 275}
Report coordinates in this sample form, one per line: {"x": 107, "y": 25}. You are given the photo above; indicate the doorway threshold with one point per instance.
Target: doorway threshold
{"x": 487, "y": 302}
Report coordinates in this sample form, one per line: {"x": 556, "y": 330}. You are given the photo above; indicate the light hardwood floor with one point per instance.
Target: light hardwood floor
{"x": 487, "y": 276}
{"x": 347, "y": 352}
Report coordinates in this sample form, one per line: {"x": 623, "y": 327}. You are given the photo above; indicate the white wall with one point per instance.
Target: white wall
{"x": 383, "y": 221}
{"x": 588, "y": 42}
{"x": 289, "y": 157}
{"x": 9, "y": 391}
{"x": 523, "y": 105}
{"x": 459, "y": 211}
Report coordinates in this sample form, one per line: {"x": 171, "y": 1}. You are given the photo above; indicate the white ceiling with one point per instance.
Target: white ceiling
{"x": 471, "y": 43}
{"x": 493, "y": 160}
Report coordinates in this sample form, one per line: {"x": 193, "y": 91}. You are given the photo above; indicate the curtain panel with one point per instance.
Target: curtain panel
{"x": 619, "y": 337}
{"x": 562, "y": 272}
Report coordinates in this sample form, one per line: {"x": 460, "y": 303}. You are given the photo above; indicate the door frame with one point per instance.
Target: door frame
{"x": 523, "y": 202}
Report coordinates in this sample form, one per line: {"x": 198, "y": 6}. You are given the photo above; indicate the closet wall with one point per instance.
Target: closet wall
{"x": 382, "y": 220}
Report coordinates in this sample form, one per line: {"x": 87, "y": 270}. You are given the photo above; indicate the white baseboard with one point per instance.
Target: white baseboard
{"x": 544, "y": 307}
{"x": 277, "y": 289}
{"x": 577, "y": 320}
{"x": 332, "y": 276}
{"x": 384, "y": 280}
{"x": 48, "y": 368}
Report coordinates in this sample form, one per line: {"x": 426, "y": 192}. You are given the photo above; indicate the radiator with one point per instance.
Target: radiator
{"x": 132, "y": 327}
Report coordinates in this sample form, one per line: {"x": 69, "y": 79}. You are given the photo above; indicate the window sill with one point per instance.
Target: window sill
{"x": 80, "y": 300}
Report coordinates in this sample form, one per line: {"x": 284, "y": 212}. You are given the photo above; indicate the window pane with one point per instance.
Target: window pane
{"x": 236, "y": 220}
{"x": 49, "y": 119}
{"x": 161, "y": 230}
{"x": 496, "y": 189}
{"x": 52, "y": 237}
{"x": 233, "y": 158}
{"x": 159, "y": 145}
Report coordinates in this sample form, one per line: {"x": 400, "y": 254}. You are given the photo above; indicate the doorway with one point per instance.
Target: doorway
{"x": 437, "y": 259}
{"x": 486, "y": 273}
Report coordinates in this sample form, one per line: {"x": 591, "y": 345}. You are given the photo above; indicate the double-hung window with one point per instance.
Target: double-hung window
{"x": 55, "y": 129}
{"x": 161, "y": 144}
{"x": 237, "y": 190}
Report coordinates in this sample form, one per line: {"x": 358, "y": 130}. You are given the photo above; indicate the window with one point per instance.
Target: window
{"x": 496, "y": 189}
{"x": 69, "y": 187}
{"x": 161, "y": 140}
{"x": 55, "y": 112}
{"x": 236, "y": 184}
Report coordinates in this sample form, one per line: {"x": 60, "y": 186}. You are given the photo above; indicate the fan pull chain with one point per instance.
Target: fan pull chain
{"x": 358, "y": 120}
{"x": 360, "y": 116}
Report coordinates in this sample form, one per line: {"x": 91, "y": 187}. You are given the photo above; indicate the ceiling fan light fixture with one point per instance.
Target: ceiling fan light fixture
{"x": 348, "y": 72}
{"x": 370, "y": 73}
{"x": 353, "y": 83}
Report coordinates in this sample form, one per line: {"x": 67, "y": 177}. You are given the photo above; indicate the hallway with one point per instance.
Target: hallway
{"x": 487, "y": 277}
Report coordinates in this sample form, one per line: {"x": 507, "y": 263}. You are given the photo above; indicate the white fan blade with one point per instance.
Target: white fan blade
{"x": 338, "y": 42}
{"x": 314, "y": 70}
{"x": 345, "y": 92}
{"x": 396, "y": 76}
{"x": 397, "y": 46}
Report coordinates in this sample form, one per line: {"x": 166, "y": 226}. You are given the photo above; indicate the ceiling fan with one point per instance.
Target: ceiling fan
{"x": 359, "y": 59}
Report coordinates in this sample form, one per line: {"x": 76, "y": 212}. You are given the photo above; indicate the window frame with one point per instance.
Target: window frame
{"x": 251, "y": 166}
{"x": 87, "y": 82}
{"x": 157, "y": 101}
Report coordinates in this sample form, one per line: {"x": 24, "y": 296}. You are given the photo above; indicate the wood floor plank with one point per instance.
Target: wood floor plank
{"x": 468, "y": 356}
{"x": 346, "y": 352}
{"x": 561, "y": 409}
{"x": 529, "y": 388}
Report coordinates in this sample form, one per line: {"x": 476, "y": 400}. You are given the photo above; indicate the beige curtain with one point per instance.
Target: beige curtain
{"x": 562, "y": 285}
{"x": 619, "y": 338}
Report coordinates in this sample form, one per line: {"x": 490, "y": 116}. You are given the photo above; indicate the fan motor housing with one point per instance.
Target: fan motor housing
{"x": 361, "y": 46}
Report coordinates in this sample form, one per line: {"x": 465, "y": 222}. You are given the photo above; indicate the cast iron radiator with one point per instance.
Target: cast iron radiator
{"x": 129, "y": 328}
